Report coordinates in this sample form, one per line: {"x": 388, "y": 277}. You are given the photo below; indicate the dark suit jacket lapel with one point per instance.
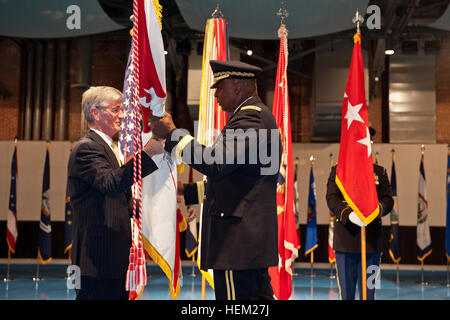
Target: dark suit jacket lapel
{"x": 109, "y": 153}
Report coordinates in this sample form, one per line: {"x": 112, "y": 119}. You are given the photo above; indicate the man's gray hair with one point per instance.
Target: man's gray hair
{"x": 97, "y": 96}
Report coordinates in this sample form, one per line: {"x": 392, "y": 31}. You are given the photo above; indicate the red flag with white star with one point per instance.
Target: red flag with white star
{"x": 354, "y": 175}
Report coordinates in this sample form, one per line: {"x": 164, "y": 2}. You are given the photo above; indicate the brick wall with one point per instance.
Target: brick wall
{"x": 443, "y": 93}
{"x": 10, "y": 62}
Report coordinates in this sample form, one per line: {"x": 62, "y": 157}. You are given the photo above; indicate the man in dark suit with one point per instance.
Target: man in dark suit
{"x": 99, "y": 189}
{"x": 239, "y": 222}
{"x": 347, "y": 235}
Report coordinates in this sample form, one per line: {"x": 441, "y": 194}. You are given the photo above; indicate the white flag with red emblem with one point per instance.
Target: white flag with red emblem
{"x": 354, "y": 175}
{"x": 151, "y": 59}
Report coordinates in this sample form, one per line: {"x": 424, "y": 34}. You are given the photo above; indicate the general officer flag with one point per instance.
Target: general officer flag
{"x": 311, "y": 224}
{"x": 394, "y": 244}
{"x": 354, "y": 173}
{"x": 45, "y": 227}
{"x": 423, "y": 229}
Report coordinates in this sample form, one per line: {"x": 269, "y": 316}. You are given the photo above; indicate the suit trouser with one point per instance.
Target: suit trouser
{"x": 93, "y": 288}
{"x": 251, "y": 284}
{"x": 348, "y": 270}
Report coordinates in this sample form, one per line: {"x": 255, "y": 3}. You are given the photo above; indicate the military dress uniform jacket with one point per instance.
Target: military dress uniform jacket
{"x": 239, "y": 221}
{"x": 100, "y": 197}
{"x": 347, "y": 235}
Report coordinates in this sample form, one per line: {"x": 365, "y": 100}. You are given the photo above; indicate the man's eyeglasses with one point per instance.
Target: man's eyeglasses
{"x": 114, "y": 110}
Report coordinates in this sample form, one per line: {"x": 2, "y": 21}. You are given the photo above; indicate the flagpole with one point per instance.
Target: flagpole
{"x": 8, "y": 278}
{"x": 359, "y": 19}
{"x": 37, "y": 278}
{"x": 192, "y": 274}
{"x": 448, "y": 273}
{"x": 363, "y": 263}
{"x": 311, "y": 254}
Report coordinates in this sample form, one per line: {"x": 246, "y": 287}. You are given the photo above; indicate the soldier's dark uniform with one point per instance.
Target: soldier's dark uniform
{"x": 347, "y": 235}
{"x": 239, "y": 222}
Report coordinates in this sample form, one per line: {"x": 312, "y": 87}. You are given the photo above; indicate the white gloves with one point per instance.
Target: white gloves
{"x": 356, "y": 220}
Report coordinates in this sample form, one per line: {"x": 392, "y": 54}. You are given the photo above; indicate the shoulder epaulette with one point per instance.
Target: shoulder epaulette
{"x": 251, "y": 108}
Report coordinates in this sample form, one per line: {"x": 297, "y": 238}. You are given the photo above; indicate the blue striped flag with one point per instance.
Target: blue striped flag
{"x": 447, "y": 228}
{"x": 394, "y": 244}
{"x": 311, "y": 224}
{"x": 423, "y": 229}
{"x": 45, "y": 228}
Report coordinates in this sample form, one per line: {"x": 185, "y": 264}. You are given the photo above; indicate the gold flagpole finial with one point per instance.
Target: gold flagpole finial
{"x": 422, "y": 149}
{"x": 357, "y": 19}
{"x": 283, "y": 13}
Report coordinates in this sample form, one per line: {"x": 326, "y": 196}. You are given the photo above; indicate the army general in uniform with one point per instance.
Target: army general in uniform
{"x": 239, "y": 222}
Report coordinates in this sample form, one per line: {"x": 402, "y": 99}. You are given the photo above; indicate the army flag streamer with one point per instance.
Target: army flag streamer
{"x": 354, "y": 174}
{"x": 211, "y": 118}
{"x": 281, "y": 276}
{"x": 423, "y": 229}
{"x": 394, "y": 243}
{"x": 45, "y": 228}
{"x": 11, "y": 225}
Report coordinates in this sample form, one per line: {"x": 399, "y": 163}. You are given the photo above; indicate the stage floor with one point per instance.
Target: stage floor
{"x": 305, "y": 287}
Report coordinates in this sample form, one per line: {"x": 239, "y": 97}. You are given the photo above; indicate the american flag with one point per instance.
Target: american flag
{"x": 126, "y": 141}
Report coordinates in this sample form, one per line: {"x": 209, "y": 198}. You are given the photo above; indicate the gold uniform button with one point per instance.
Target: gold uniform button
{"x": 222, "y": 214}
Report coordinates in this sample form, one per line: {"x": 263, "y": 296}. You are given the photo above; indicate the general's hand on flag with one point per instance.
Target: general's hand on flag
{"x": 161, "y": 126}
{"x": 356, "y": 220}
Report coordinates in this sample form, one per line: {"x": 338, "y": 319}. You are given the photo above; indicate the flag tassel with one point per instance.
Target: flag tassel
{"x": 131, "y": 272}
